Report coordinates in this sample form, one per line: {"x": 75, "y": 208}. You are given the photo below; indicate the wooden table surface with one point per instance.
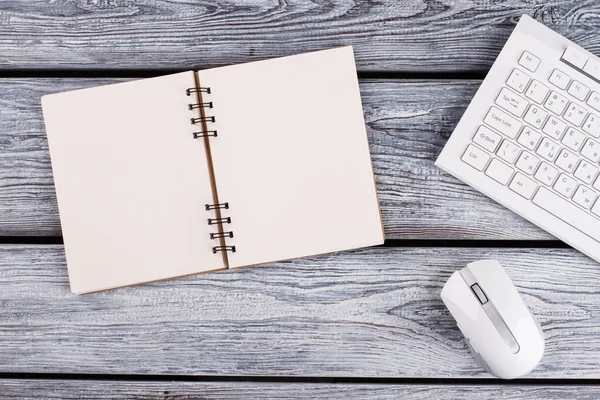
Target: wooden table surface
{"x": 363, "y": 324}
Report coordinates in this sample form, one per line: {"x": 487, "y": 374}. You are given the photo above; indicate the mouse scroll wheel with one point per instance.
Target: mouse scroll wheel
{"x": 479, "y": 293}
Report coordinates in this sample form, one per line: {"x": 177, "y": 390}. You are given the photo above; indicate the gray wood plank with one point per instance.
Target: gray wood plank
{"x": 367, "y": 313}
{"x": 389, "y": 35}
{"x": 87, "y": 389}
{"x": 408, "y": 124}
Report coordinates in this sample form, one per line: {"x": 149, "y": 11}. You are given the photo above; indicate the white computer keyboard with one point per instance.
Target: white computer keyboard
{"x": 530, "y": 139}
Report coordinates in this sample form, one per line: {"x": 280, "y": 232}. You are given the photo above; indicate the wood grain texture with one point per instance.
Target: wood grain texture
{"x": 83, "y": 389}
{"x": 365, "y": 313}
{"x": 408, "y": 124}
{"x": 388, "y": 35}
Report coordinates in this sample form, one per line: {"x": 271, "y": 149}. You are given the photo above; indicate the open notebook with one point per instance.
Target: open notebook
{"x": 215, "y": 169}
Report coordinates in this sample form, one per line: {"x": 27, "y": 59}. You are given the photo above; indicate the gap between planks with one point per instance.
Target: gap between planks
{"x": 502, "y": 244}
{"x": 298, "y": 379}
{"x": 150, "y": 73}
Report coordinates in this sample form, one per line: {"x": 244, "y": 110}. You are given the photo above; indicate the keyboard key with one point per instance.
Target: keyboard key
{"x": 499, "y": 171}
{"x": 549, "y": 149}
{"x": 511, "y": 102}
{"x": 597, "y": 184}
{"x": 546, "y": 174}
{"x": 584, "y": 197}
{"x": 535, "y": 116}
{"x": 508, "y": 151}
{"x": 554, "y": 127}
{"x": 475, "y": 157}
{"x": 529, "y": 138}
{"x": 556, "y": 103}
{"x": 487, "y": 138}
{"x": 594, "y": 101}
{"x": 567, "y": 212}
{"x": 559, "y": 79}
{"x": 574, "y": 57}
{"x": 502, "y": 122}
{"x": 518, "y": 80}
{"x": 523, "y": 185}
{"x": 586, "y": 172}
{"x": 566, "y": 160}
{"x": 578, "y": 90}
{"x": 591, "y": 150}
{"x": 592, "y": 125}
{"x": 575, "y": 114}
{"x": 592, "y": 68}
{"x": 565, "y": 185}
{"x": 596, "y": 208}
{"x": 527, "y": 163}
{"x": 537, "y": 92}
{"x": 529, "y": 61}
{"x": 573, "y": 139}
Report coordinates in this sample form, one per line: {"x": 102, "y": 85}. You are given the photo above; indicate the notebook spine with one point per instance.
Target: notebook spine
{"x": 205, "y": 132}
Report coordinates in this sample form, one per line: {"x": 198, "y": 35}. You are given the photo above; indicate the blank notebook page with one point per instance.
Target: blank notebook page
{"x": 131, "y": 182}
{"x": 292, "y": 157}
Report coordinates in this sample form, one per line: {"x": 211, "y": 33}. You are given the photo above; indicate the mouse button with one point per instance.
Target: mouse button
{"x": 459, "y": 299}
{"x": 503, "y": 330}
{"x": 530, "y": 338}
{"x": 479, "y": 293}
{"x": 500, "y": 291}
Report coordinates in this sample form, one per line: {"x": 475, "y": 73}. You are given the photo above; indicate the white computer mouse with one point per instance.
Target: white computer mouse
{"x": 500, "y": 330}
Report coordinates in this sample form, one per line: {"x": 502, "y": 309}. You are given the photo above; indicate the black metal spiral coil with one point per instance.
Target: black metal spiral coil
{"x": 223, "y": 248}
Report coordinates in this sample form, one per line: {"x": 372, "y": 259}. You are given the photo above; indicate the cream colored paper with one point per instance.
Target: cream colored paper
{"x": 131, "y": 183}
{"x": 292, "y": 157}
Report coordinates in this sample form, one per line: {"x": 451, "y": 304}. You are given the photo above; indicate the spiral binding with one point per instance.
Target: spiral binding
{"x": 197, "y": 90}
{"x": 218, "y": 235}
{"x": 216, "y": 206}
{"x": 204, "y": 134}
{"x": 202, "y": 119}
{"x": 223, "y": 248}
{"x": 221, "y": 221}
{"x": 193, "y": 106}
